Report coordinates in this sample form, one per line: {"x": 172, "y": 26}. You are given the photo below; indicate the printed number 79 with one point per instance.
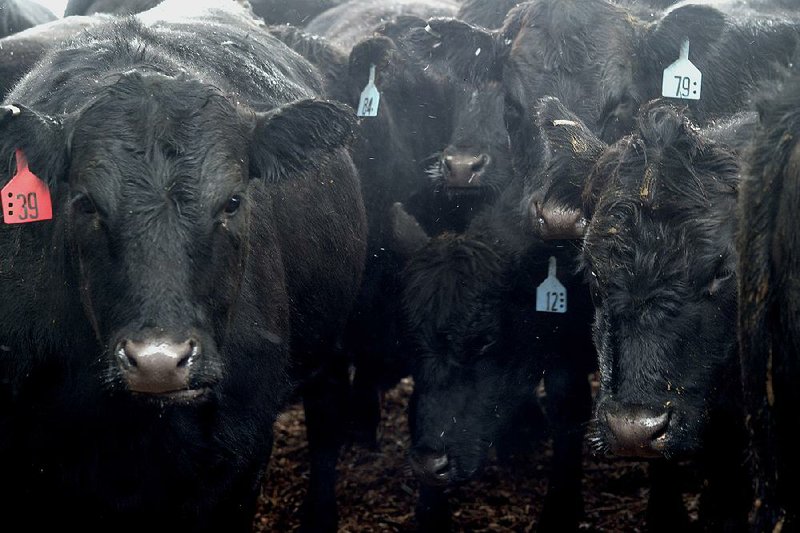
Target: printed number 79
{"x": 684, "y": 86}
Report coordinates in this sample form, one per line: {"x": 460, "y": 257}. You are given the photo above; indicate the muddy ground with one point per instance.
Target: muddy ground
{"x": 377, "y": 491}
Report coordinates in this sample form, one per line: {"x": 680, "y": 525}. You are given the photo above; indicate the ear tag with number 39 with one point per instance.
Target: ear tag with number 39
{"x": 551, "y": 295}
{"x": 370, "y": 97}
{"x": 26, "y": 198}
{"x": 682, "y": 79}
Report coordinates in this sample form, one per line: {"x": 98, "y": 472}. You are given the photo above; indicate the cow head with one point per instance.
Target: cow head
{"x": 659, "y": 257}
{"x": 467, "y": 383}
{"x": 158, "y": 181}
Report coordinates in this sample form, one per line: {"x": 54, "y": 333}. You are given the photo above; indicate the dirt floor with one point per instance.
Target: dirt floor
{"x": 377, "y": 491}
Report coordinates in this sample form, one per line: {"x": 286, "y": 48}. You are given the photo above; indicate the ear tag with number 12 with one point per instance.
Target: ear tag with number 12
{"x": 682, "y": 79}
{"x": 551, "y": 295}
{"x": 26, "y": 198}
{"x": 370, "y": 97}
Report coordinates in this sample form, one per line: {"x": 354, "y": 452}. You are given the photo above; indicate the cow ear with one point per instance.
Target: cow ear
{"x": 702, "y": 25}
{"x": 287, "y": 138}
{"x": 466, "y": 51}
{"x": 570, "y": 148}
{"x": 379, "y": 51}
{"x": 408, "y": 237}
{"x": 39, "y": 136}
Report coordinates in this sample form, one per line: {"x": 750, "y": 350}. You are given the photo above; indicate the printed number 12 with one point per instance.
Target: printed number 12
{"x": 552, "y": 300}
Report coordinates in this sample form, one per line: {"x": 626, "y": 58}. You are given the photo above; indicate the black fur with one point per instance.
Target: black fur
{"x": 294, "y": 12}
{"x": 486, "y": 13}
{"x": 23, "y": 50}
{"x": 19, "y": 15}
{"x": 478, "y": 349}
{"x": 660, "y": 258}
{"x": 114, "y": 7}
{"x": 351, "y": 21}
{"x": 201, "y": 189}
{"x": 603, "y": 62}
{"x": 768, "y": 314}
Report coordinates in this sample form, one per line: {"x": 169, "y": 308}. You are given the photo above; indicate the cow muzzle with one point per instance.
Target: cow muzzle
{"x": 158, "y": 365}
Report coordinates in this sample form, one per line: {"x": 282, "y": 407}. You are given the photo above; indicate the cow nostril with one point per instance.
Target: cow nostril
{"x": 480, "y": 163}
{"x": 191, "y": 354}
{"x": 125, "y": 358}
{"x": 448, "y": 163}
{"x": 438, "y": 464}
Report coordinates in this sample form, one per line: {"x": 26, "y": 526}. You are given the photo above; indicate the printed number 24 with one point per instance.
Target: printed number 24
{"x": 684, "y": 86}
{"x": 367, "y": 107}
{"x": 30, "y": 206}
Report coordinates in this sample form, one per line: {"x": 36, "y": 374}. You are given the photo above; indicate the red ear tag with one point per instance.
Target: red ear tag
{"x": 25, "y": 198}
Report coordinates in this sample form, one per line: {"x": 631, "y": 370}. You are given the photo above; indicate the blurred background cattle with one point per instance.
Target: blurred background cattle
{"x": 501, "y": 265}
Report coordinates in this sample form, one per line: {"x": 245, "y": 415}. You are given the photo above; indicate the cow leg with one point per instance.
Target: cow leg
{"x": 365, "y": 408}
{"x": 569, "y": 404}
{"x": 325, "y": 403}
{"x": 665, "y": 508}
{"x": 433, "y": 510}
{"x": 725, "y": 501}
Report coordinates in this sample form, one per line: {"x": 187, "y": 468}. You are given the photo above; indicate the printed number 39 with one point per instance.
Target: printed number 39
{"x": 30, "y": 206}
{"x": 684, "y": 86}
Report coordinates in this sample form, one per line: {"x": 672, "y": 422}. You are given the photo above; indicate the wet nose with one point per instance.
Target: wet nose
{"x": 637, "y": 432}
{"x": 463, "y": 169}
{"x": 431, "y": 467}
{"x": 157, "y": 365}
{"x": 558, "y": 222}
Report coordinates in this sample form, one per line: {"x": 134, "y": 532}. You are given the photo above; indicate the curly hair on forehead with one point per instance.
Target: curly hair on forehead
{"x": 666, "y": 163}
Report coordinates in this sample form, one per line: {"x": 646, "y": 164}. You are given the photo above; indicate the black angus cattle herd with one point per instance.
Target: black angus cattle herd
{"x": 198, "y": 228}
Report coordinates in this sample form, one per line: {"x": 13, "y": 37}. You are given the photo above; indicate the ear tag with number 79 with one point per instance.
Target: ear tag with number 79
{"x": 26, "y": 198}
{"x": 682, "y": 79}
{"x": 370, "y": 97}
{"x": 551, "y": 295}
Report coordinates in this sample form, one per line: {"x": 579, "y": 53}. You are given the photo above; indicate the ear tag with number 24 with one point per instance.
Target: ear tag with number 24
{"x": 551, "y": 295}
{"x": 682, "y": 79}
{"x": 370, "y": 97}
{"x": 26, "y": 198}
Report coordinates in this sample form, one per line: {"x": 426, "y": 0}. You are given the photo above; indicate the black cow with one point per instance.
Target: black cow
{"x": 659, "y": 256}
{"x": 296, "y": 12}
{"x": 206, "y": 245}
{"x": 769, "y": 326}
{"x": 20, "y": 52}
{"x": 348, "y": 23}
{"x": 485, "y": 13}
{"x": 19, "y": 15}
{"x": 603, "y": 62}
{"x": 437, "y": 146}
{"x": 331, "y": 61}
{"x": 478, "y": 349}
{"x": 114, "y": 7}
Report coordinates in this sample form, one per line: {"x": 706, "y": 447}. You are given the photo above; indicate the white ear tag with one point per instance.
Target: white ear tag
{"x": 682, "y": 79}
{"x": 370, "y": 97}
{"x": 551, "y": 295}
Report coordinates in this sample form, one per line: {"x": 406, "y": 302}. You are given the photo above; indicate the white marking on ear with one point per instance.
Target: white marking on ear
{"x": 564, "y": 123}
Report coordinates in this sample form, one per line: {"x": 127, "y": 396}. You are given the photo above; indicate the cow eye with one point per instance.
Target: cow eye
{"x": 233, "y": 204}
{"x": 83, "y": 204}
